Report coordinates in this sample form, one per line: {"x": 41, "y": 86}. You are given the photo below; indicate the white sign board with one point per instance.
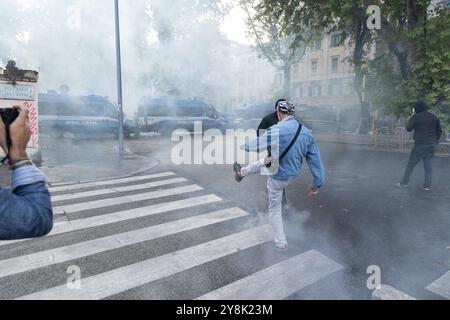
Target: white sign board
{"x": 24, "y": 92}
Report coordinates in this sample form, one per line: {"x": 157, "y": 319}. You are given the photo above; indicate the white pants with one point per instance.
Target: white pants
{"x": 275, "y": 191}
{"x": 255, "y": 167}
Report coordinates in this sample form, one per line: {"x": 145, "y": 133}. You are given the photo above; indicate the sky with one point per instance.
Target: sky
{"x": 234, "y": 26}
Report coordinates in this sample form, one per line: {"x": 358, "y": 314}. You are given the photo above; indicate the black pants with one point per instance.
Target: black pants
{"x": 420, "y": 152}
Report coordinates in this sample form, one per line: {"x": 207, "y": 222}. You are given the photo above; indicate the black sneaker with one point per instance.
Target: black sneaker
{"x": 237, "y": 172}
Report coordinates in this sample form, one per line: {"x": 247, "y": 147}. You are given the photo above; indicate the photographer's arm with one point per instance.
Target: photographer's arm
{"x": 27, "y": 211}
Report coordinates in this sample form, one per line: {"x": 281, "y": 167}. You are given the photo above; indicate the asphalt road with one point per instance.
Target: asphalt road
{"x": 360, "y": 219}
{"x": 185, "y": 231}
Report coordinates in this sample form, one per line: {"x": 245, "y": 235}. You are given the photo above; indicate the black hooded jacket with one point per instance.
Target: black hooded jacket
{"x": 426, "y": 126}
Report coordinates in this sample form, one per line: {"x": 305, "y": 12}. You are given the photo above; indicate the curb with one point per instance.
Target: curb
{"x": 154, "y": 164}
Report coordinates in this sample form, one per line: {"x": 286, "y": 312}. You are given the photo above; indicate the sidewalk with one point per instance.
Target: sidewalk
{"x": 71, "y": 161}
{"x": 74, "y": 173}
{"x": 368, "y": 140}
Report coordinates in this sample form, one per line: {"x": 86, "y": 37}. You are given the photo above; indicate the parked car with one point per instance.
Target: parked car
{"x": 164, "y": 115}
{"x": 60, "y": 114}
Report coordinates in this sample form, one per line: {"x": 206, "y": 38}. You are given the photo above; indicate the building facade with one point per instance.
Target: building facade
{"x": 323, "y": 77}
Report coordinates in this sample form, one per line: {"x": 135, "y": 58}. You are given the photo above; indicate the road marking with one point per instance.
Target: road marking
{"x": 119, "y": 216}
{"x": 102, "y": 192}
{"x": 280, "y": 280}
{"x": 88, "y": 248}
{"x": 109, "y": 182}
{"x": 441, "y": 286}
{"x": 113, "y": 282}
{"x": 124, "y": 200}
{"x": 386, "y": 292}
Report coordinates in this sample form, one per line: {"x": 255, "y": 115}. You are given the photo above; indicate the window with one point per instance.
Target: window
{"x": 315, "y": 90}
{"x": 317, "y": 45}
{"x": 159, "y": 111}
{"x": 190, "y": 112}
{"x": 334, "y": 64}
{"x": 337, "y": 40}
{"x": 297, "y": 92}
{"x": 314, "y": 66}
{"x": 335, "y": 90}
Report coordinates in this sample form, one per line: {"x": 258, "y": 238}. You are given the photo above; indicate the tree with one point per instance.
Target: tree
{"x": 415, "y": 64}
{"x": 175, "y": 19}
{"x": 349, "y": 17}
{"x": 408, "y": 47}
{"x": 273, "y": 41}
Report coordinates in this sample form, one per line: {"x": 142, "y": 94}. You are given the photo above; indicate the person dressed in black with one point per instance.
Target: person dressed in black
{"x": 269, "y": 121}
{"x": 427, "y": 133}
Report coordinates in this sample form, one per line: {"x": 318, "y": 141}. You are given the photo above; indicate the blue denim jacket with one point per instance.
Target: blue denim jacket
{"x": 26, "y": 212}
{"x": 278, "y": 138}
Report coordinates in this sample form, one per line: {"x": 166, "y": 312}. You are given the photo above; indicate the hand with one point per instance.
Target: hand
{"x": 20, "y": 136}
{"x": 313, "y": 192}
{"x": 3, "y": 143}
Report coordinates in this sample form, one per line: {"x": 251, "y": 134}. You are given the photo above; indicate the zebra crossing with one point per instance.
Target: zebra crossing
{"x": 131, "y": 233}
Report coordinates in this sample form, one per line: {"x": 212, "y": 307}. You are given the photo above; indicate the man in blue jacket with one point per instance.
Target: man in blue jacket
{"x": 26, "y": 210}
{"x": 287, "y": 133}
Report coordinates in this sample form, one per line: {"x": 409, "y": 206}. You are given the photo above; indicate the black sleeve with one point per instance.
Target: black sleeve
{"x": 263, "y": 126}
{"x": 438, "y": 130}
{"x": 411, "y": 124}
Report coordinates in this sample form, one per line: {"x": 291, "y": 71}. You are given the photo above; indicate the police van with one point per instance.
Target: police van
{"x": 20, "y": 88}
{"x": 165, "y": 115}
{"x": 81, "y": 115}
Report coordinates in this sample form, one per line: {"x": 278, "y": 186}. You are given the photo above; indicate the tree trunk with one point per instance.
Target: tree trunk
{"x": 360, "y": 38}
{"x": 287, "y": 81}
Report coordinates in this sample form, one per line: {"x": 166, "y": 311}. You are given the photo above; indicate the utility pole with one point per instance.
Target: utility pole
{"x": 119, "y": 79}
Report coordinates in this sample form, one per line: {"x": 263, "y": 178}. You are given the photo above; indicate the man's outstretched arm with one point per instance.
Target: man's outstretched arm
{"x": 268, "y": 141}
{"x": 315, "y": 165}
{"x": 27, "y": 211}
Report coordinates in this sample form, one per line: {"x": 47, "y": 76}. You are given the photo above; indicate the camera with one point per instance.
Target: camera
{"x": 9, "y": 115}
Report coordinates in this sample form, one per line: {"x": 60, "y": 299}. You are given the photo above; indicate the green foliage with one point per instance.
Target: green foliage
{"x": 413, "y": 47}
{"x": 429, "y": 79}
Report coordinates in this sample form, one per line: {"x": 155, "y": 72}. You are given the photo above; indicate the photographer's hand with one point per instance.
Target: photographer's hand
{"x": 20, "y": 136}
{"x": 3, "y": 143}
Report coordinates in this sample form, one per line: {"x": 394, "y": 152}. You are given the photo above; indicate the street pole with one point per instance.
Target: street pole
{"x": 119, "y": 79}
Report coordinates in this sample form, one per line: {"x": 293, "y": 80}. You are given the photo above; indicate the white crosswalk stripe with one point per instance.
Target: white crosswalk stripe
{"x": 102, "y": 286}
{"x": 124, "y": 200}
{"x": 279, "y": 281}
{"x": 103, "y": 192}
{"x": 84, "y": 249}
{"x": 213, "y": 212}
{"x": 119, "y": 216}
{"x": 441, "y": 286}
{"x": 109, "y": 182}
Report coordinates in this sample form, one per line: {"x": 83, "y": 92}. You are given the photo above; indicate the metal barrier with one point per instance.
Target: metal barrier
{"x": 395, "y": 138}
